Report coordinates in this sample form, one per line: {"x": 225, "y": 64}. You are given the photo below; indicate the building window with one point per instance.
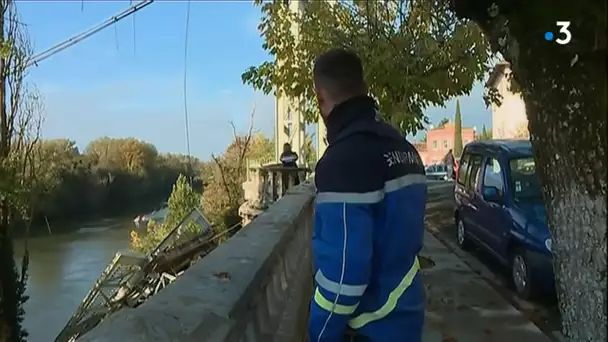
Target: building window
{"x": 434, "y": 144}
{"x": 445, "y": 144}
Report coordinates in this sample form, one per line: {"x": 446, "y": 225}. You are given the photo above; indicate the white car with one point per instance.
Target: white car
{"x": 158, "y": 216}
{"x": 437, "y": 171}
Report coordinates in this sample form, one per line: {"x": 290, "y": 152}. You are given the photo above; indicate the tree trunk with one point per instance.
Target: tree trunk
{"x": 10, "y": 330}
{"x": 564, "y": 88}
{"x": 9, "y": 298}
{"x": 569, "y": 141}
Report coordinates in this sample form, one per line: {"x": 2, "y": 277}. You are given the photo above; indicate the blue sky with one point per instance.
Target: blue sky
{"x": 128, "y": 80}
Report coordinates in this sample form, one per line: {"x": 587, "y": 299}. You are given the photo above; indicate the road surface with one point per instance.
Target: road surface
{"x": 440, "y": 220}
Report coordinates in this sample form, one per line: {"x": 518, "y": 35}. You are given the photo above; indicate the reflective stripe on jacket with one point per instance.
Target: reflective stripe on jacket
{"x": 368, "y": 230}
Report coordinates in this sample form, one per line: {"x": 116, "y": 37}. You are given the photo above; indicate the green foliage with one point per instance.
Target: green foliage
{"x": 310, "y": 154}
{"x": 182, "y": 200}
{"x": 458, "y": 130}
{"x": 18, "y": 134}
{"x": 416, "y": 54}
{"x": 112, "y": 177}
{"x": 155, "y": 233}
{"x": 261, "y": 149}
{"x": 224, "y": 193}
{"x": 485, "y": 134}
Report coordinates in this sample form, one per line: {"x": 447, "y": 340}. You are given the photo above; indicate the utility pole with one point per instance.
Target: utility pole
{"x": 289, "y": 125}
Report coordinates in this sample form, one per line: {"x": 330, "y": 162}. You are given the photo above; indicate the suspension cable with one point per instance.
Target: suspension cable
{"x": 185, "y": 90}
{"x": 220, "y": 234}
{"x": 39, "y": 57}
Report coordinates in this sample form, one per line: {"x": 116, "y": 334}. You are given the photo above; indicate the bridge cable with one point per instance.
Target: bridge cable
{"x": 39, "y": 57}
{"x": 185, "y": 89}
{"x": 134, "y": 32}
{"x": 225, "y": 232}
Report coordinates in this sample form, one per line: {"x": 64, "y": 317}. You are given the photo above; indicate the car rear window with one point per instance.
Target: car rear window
{"x": 464, "y": 168}
{"x": 474, "y": 169}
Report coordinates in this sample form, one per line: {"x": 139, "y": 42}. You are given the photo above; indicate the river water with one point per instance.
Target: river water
{"x": 63, "y": 267}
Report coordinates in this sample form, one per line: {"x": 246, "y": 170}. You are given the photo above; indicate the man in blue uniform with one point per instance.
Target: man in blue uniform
{"x": 369, "y": 216}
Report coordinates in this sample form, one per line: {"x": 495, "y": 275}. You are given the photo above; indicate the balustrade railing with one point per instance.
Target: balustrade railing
{"x": 266, "y": 184}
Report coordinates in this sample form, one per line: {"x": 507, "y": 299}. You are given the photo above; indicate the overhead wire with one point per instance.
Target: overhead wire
{"x": 86, "y": 34}
{"x": 134, "y": 33}
{"x": 185, "y": 89}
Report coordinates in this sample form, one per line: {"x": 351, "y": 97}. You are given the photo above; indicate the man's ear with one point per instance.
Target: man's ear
{"x": 320, "y": 96}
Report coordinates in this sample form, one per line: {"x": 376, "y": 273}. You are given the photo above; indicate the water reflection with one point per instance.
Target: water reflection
{"x": 62, "y": 270}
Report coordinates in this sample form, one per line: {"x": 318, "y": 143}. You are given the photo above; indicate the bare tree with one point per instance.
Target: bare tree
{"x": 224, "y": 194}
{"x": 20, "y": 112}
{"x": 242, "y": 144}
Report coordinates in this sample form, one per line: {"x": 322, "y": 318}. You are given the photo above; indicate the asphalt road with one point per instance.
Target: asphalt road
{"x": 440, "y": 221}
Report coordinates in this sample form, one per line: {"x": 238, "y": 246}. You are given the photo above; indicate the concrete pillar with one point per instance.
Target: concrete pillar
{"x": 289, "y": 125}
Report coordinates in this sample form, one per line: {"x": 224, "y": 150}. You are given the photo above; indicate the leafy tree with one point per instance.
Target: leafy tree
{"x": 70, "y": 185}
{"x": 182, "y": 200}
{"x": 262, "y": 148}
{"x": 443, "y": 122}
{"x": 458, "y": 131}
{"x": 310, "y": 154}
{"x": 485, "y": 134}
{"x": 224, "y": 193}
{"x": 416, "y": 54}
{"x": 19, "y": 128}
{"x": 564, "y": 89}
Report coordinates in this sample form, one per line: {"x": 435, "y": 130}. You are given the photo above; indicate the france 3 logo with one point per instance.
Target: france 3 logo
{"x": 563, "y": 37}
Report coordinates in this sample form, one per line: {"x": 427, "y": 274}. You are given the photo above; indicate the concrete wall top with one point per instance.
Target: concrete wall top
{"x": 212, "y": 295}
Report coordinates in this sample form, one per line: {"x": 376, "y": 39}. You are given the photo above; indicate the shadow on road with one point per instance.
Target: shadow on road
{"x": 462, "y": 306}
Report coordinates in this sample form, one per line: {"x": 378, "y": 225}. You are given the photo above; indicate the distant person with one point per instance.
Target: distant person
{"x": 369, "y": 217}
{"x": 289, "y": 159}
{"x": 449, "y": 162}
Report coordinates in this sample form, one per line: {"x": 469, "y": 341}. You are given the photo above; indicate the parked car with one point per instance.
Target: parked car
{"x": 437, "y": 171}
{"x": 498, "y": 207}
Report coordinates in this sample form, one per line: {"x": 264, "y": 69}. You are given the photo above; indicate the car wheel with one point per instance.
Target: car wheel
{"x": 521, "y": 275}
{"x": 462, "y": 235}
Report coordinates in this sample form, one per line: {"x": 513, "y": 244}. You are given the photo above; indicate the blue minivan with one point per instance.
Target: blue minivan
{"x": 498, "y": 207}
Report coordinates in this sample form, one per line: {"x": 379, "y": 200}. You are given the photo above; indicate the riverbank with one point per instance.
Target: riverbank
{"x": 67, "y": 226}
{"x": 62, "y": 269}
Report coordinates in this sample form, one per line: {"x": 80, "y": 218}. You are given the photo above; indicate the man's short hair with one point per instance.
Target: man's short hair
{"x": 340, "y": 73}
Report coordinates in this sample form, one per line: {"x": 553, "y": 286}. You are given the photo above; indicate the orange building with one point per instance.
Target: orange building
{"x": 421, "y": 148}
{"x": 440, "y": 140}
